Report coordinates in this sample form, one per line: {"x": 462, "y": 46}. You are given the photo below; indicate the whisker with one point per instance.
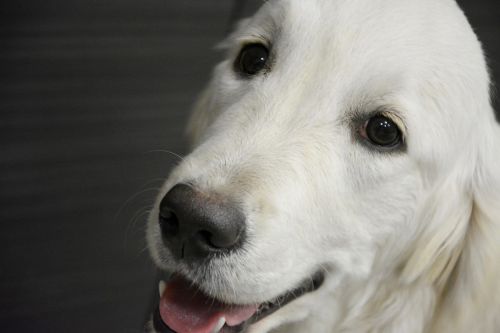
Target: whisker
{"x": 122, "y": 207}
{"x": 133, "y": 221}
{"x": 167, "y": 152}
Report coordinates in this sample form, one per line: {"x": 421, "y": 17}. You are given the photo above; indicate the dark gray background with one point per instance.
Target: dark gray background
{"x": 90, "y": 90}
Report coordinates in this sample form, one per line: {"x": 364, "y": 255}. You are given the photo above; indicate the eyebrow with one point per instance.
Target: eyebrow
{"x": 262, "y": 29}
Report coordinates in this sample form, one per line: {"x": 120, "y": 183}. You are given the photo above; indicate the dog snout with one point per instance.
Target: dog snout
{"x": 197, "y": 224}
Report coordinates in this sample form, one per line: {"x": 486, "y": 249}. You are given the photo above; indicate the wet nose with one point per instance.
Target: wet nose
{"x": 196, "y": 224}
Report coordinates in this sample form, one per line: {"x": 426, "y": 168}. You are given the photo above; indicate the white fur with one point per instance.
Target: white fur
{"x": 409, "y": 241}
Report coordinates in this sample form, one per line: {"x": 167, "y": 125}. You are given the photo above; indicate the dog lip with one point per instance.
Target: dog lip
{"x": 311, "y": 284}
{"x": 265, "y": 309}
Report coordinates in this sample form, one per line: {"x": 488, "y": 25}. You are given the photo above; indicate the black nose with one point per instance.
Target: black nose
{"x": 196, "y": 224}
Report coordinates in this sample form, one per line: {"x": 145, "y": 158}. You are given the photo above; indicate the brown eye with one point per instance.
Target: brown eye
{"x": 252, "y": 59}
{"x": 382, "y": 131}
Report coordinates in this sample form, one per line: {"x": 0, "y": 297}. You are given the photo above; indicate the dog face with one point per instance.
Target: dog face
{"x": 328, "y": 130}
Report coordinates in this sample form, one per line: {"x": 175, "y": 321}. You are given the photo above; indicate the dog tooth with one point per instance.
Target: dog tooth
{"x": 220, "y": 324}
{"x": 161, "y": 287}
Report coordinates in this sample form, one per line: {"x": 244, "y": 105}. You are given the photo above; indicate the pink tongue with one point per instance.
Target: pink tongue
{"x": 186, "y": 309}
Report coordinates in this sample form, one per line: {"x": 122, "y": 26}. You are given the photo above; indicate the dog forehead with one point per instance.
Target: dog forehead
{"x": 363, "y": 28}
{"x": 375, "y": 46}
{"x": 358, "y": 41}
{"x": 395, "y": 18}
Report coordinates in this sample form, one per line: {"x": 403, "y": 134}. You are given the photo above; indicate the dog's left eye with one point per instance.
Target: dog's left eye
{"x": 382, "y": 131}
{"x": 252, "y": 59}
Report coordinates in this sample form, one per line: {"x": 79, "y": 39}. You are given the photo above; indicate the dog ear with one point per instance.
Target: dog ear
{"x": 460, "y": 254}
{"x": 205, "y": 109}
{"x": 202, "y": 115}
{"x": 472, "y": 293}
{"x": 443, "y": 219}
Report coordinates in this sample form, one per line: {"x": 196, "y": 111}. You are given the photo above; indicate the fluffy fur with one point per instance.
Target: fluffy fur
{"x": 409, "y": 240}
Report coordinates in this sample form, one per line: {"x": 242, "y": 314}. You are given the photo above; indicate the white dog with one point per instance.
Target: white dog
{"x": 345, "y": 177}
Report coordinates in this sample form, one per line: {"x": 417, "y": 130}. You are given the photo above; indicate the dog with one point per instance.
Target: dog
{"x": 344, "y": 178}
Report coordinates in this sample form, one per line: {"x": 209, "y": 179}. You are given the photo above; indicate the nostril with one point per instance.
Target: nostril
{"x": 206, "y": 238}
{"x": 213, "y": 241}
{"x": 169, "y": 222}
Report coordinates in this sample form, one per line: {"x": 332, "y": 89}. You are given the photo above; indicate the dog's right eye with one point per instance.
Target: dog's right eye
{"x": 252, "y": 59}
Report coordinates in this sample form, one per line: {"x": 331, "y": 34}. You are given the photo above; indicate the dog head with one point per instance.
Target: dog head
{"x": 339, "y": 142}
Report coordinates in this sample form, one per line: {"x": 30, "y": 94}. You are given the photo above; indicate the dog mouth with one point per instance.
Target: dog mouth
{"x": 184, "y": 308}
